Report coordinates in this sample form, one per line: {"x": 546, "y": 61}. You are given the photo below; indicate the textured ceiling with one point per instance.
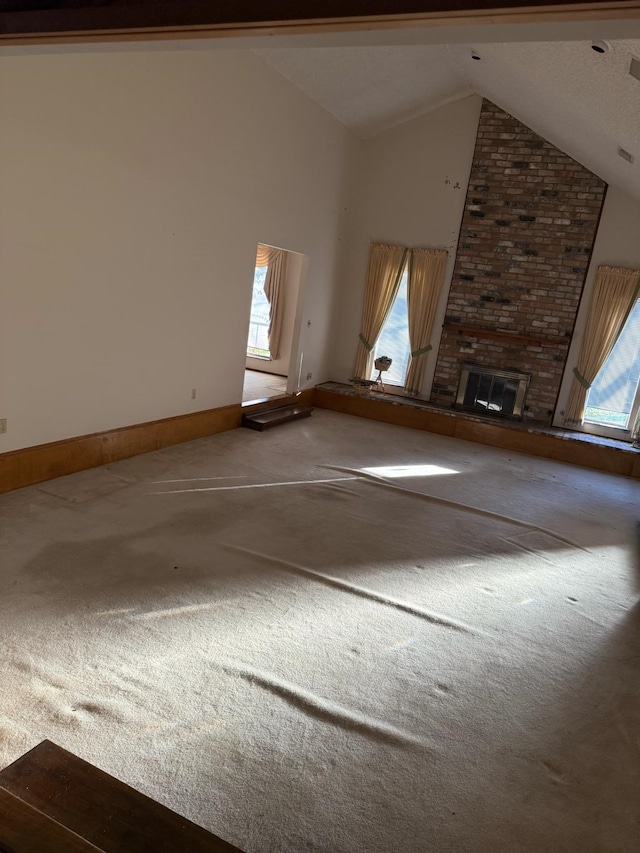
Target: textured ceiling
{"x": 373, "y": 88}
{"x": 544, "y": 73}
{"x": 585, "y": 103}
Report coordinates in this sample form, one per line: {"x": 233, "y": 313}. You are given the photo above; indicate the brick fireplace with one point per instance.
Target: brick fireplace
{"x": 528, "y": 228}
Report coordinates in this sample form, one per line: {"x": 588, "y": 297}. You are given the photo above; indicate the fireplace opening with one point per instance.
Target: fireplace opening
{"x": 499, "y": 393}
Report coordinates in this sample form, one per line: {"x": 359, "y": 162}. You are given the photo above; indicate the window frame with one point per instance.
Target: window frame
{"x": 615, "y": 432}
{"x": 248, "y": 354}
{"x": 398, "y": 389}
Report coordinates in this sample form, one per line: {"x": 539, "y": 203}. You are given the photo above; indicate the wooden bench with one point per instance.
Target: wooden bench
{"x": 50, "y": 800}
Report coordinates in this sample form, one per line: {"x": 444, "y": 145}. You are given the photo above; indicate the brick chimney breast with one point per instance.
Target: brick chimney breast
{"x": 527, "y": 233}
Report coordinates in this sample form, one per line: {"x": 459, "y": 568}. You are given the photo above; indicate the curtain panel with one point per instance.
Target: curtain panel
{"x": 426, "y": 276}
{"x": 263, "y": 255}
{"x": 276, "y": 262}
{"x": 386, "y": 265}
{"x": 614, "y": 294}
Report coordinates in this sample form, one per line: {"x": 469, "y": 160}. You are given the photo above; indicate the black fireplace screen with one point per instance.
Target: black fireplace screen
{"x": 494, "y": 392}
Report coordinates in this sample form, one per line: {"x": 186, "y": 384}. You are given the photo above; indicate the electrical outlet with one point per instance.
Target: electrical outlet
{"x": 309, "y": 375}
{"x": 193, "y": 393}
{"x": 3, "y": 425}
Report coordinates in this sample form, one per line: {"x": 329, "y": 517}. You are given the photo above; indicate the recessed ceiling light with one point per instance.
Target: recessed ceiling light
{"x": 625, "y": 155}
{"x": 601, "y": 46}
{"x": 475, "y": 55}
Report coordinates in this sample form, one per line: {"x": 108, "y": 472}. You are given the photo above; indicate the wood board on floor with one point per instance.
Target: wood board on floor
{"x": 53, "y": 800}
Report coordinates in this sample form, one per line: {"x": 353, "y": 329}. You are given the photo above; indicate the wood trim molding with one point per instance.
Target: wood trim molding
{"x": 388, "y": 413}
{"x": 71, "y": 23}
{"x": 613, "y": 460}
{"x": 498, "y": 334}
{"x": 31, "y": 465}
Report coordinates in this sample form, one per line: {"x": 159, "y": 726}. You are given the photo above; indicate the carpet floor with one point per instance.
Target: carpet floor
{"x": 259, "y": 385}
{"x": 337, "y": 636}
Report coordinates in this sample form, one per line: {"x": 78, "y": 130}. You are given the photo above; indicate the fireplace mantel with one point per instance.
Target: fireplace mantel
{"x": 483, "y": 332}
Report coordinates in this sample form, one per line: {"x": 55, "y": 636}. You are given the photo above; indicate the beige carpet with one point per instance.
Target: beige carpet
{"x": 314, "y": 639}
{"x": 258, "y": 385}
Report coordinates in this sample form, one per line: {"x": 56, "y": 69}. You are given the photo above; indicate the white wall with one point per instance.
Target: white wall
{"x": 134, "y": 188}
{"x": 617, "y": 244}
{"x": 404, "y": 191}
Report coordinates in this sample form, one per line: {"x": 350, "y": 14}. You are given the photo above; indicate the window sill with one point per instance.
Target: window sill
{"x": 390, "y": 388}
{"x": 617, "y": 433}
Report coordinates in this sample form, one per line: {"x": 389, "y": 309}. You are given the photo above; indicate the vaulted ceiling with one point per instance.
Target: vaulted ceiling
{"x": 586, "y": 103}
{"x": 539, "y": 67}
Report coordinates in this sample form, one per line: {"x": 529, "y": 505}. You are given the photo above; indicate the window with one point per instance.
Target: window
{"x": 258, "y": 343}
{"x": 394, "y": 338}
{"x": 613, "y": 397}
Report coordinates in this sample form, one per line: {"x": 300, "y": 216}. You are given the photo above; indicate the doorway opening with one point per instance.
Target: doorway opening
{"x": 274, "y": 325}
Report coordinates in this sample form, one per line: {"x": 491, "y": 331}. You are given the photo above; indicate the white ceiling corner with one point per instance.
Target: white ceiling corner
{"x": 370, "y": 89}
{"x": 587, "y": 104}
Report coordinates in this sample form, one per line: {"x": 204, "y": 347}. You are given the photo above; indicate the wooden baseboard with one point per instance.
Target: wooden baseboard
{"x": 31, "y": 465}
{"x": 613, "y": 460}
{"x": 388, "y": 413}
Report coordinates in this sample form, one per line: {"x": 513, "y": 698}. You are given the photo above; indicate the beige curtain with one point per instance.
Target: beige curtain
{"x": 426, "y": 275}
{"x": 263, "y": 255}
{"x": 276, "y": 262}
{"x": 614, "y": 294}
{"x": 386, "y": 265}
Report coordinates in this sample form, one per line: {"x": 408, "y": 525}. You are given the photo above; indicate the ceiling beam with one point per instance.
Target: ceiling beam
{"x": 60, "y": 21}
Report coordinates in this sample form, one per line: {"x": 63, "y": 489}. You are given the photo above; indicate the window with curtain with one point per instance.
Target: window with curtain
{"x": 394, "y": 338}
{"x": 258, "y": 342}
{"x": 613, "y": 398}
{"x": 267, "y": 302}
{"x": 603, "y": 377}
{"x": 400, "y": 299}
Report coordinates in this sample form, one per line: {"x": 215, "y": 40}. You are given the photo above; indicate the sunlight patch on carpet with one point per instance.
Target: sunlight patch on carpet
{"x": 399, "y": 471}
